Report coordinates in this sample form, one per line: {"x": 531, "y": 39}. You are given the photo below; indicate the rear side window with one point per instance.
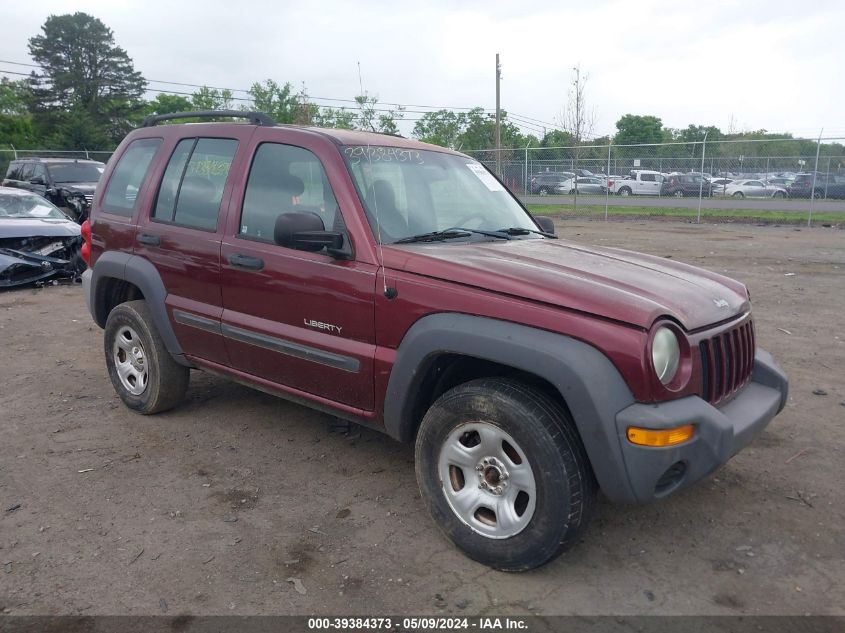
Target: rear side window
{"x": 14, "y": 172}
{"x": 647, "y": 177}
{"x": 128, "y": 176}
{"x": 193, "y": 183}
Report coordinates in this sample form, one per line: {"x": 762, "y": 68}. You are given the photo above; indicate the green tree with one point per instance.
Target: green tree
{"x": 370, "y": 119}
{"x": 279, "y": 101}
{"x": 333, "y": 117}
{"x": 167, "y": 103}
{"x": 84, "y": 76}
{"x": 211, "y": 99}
{"x": 633, "y": 129}
{"x": 442, "y": 127}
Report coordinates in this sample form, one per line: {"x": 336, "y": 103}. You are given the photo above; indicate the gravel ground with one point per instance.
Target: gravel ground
{"x": 240, "y": 503}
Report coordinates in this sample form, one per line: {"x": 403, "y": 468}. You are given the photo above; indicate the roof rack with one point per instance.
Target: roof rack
{"x": 255, "y": 118}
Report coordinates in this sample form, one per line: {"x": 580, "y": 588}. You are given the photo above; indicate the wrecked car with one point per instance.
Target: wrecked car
{"x": 37, "y": 241}
{"x": 69, "y": 183}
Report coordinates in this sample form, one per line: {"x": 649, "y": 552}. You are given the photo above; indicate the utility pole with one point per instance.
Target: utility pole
{"x": 498, "y": 120}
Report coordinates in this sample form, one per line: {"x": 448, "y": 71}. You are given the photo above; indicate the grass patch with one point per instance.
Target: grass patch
{"x": 748, "y": 215}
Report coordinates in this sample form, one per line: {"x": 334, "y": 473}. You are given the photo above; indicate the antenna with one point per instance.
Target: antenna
{"x": 388, "y": 292}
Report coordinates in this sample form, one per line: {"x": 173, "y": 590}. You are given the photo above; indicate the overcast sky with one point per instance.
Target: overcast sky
{"x": 754, "y": 64}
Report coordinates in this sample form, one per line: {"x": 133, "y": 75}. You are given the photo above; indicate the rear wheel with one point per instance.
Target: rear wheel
{"x": 738, "y": 194}
{"x": 779, "y": 194}
{"x": 144, "y": 374}
{"x": 678, "y": 194}
{"x": 544, "y": 191}
{"x": 504, "y": 474}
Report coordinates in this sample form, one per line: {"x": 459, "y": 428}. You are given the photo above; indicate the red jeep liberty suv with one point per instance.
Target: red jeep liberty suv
{"x": 401, "y": 286}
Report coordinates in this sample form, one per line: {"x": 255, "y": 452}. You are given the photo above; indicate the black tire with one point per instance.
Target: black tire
{"x": 678, "y": 194}
{"x": 565, "y": 485}
{"x": 166, "y": 380}
{"x": 544, "y": 191}
{"x": 625, "y": 191}
{"x": 738, "y": 194}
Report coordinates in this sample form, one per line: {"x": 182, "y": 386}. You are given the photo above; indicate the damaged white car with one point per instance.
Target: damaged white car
{"x": 37, "y": 241}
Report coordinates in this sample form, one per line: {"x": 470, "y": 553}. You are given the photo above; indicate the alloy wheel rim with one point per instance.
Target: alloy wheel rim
{"x": 130, "y": 361}
{"x": 487, "y": 480}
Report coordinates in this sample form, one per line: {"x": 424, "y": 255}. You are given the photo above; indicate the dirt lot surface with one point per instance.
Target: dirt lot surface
{"x": 217, "y": 506}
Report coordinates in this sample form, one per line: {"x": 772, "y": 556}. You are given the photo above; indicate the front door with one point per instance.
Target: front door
{"x": 300, "y": 319}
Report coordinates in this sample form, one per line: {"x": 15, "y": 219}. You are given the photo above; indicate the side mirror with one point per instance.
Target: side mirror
{"x": 545, "y": 223}
{"x": 305, "y": 232}
{"x": 38, "y": 180}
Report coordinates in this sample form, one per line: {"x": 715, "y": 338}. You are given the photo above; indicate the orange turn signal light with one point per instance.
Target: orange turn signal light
{"x": 661, "y": 437}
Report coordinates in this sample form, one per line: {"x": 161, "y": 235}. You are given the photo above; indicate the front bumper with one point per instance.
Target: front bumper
{"x": 720, "y": 433}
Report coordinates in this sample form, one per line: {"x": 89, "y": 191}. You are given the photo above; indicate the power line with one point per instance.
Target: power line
{"x": 241, "y": 90}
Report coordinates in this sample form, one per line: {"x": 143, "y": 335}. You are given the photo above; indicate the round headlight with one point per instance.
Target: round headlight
{"x": 665, "y": 354}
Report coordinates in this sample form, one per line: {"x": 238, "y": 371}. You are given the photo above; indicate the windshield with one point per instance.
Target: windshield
{"x": 76, "y": 172}
{"x": 17, "y": 206}
{"x": 411, "y": 192}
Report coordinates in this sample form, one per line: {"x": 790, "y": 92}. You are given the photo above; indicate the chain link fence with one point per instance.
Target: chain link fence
{"x": 797, "y": 180}
{"x": 774, "y": 179}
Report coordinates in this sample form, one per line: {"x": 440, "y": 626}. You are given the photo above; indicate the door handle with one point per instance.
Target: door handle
{"x": 246, "y": 261}
{"x": 149, "y": 240}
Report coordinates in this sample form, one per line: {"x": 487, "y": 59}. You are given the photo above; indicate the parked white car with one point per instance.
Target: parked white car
{"x": 641, "y": 182}
{"x": 754, "y": 189}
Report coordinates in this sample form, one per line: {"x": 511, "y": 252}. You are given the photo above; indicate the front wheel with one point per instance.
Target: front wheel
{"x": 142, "y": 371}
{"x": 624, "y": 191}
{"x": 544, "y": 191}
{"x": 678, "y": 194}
{"x": 504, "y": 474}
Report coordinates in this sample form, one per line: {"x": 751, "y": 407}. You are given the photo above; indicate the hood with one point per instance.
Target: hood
{"x": 32, "y": 227}
{"x": 81, "y": 187}
{"x": 613, "y": 283}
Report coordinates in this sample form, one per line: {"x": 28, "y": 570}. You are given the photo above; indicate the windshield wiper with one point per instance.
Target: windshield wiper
{"x": 451, "y": 233}
{"x": 518, "y": 230}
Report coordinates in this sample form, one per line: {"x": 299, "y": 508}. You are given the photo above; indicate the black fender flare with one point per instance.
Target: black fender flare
{"x": 141, "y": 273}
{"x": 591, "y": 386}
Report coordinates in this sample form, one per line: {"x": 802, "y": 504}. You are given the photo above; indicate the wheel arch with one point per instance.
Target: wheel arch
{"x": 117, "y": 277}
{"x": 440, "y": 350}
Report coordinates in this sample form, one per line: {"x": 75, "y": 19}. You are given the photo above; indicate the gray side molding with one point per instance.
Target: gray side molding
{"x": 141, "y": 273}
{"x": 589, "y": 383}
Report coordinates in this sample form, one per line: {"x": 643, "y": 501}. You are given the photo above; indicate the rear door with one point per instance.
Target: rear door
{"x": 304, "y": 320}
{"x": 182, "y": 232}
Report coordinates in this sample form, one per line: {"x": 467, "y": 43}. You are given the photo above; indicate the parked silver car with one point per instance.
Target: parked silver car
{"x": 585, "y": 184}
{"x": 754, "y": 189}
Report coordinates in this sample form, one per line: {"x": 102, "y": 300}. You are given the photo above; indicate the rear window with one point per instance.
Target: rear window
{"x": 128, "y": 176}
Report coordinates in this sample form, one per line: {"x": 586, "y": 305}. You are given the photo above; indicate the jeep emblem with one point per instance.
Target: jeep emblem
{"x": 720, "y": 303}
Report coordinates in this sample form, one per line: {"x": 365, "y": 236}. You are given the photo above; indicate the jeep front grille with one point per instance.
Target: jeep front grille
{"x": 727, "y": 361}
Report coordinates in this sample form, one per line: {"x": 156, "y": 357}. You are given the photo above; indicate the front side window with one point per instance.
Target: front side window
{"x": 193, "y": 183}
{"x": 128, "y": 176}
{"x": 26, "y": 172}
{"x": 286, "y": 179}
{"x": 408, "y": 192}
